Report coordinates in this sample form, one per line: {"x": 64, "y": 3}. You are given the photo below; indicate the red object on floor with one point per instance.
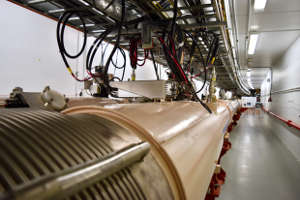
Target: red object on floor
{"x": 225, "y": 148}
{"x": 236, "y": 117}
{"x": 221, "y": 177}
{"x": 218, "y": 179}
{"x": 230, "y": 127}
{"x": 243, "y": 109}
{"x": 209, "y": 197}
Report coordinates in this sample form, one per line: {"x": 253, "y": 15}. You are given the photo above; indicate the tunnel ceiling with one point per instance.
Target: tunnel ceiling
{"x": 190, "y": 14}
{"x": 278, "y": 26}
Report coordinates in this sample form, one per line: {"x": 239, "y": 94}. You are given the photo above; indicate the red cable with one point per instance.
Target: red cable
{"x": 196, "y": 75}
{"x": 134, "y": 55}
{"x": 174, "y": 59}
{"x": 145, "y": 58}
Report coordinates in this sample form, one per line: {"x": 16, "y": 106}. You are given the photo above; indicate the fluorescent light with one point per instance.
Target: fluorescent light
{"x": 252, "y": 43}
{"x": 98, "y": 11}
{"x": 260, "y": 4}
{"x": 56, "y": 11}
{"x": 254, "y": 27}
{"x": 87, "y": 25}
{"x": 110, "y": 19}
{"x": 98, "y": 31}
{"x": 73, "y": 18}
{"x": 35, "y": 1}
{"x": 83, "y": 2}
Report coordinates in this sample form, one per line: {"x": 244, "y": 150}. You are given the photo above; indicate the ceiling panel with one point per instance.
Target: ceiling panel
{"x": 271, "y": 46}
{"x": 282, "y": 5}
{"x": 241, "y": 44}
{"x": 278, "y": 27}
{"x": 241, "y": 7}
{"x": 242, "y": 21}
{"x": 277, "y": 21}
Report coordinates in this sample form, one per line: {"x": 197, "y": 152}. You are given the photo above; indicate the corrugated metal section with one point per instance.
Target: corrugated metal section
{"x": 38, "y": 144}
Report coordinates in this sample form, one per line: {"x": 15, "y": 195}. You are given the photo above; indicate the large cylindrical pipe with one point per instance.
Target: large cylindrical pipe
{"x": 185, "y": 142}
{"x": 189, "y": 136}
{"x": 43, "y": 154}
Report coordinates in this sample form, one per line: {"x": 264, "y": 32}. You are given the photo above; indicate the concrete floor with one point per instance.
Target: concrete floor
{"x": 259, "y": 166}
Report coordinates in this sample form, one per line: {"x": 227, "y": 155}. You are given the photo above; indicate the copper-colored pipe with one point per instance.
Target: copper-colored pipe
{"x": 185, "y": 139}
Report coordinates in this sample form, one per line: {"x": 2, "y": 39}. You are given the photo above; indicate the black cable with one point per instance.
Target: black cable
{"x": 116, "y": 44}
{"x": 213, "y": 49}
{"x": 154, "y": 64}
{"x": 175, "y": 70}
{"x": 124, "y": 59}
{"x": 60, "y": 30}
{"x": 175, "y": 10}
{"x": 94, "y": 48}
{"x": 124, "y": 62}
{"x": 110, "y": 3}
{"x": 171, "y": 64}
{"x": 103, "y": 52}
{"x": 204, "y": 64}
{"x": 62, "y": 41}
{"x": 193, "y": 47}
{"x": 180, "y": 40}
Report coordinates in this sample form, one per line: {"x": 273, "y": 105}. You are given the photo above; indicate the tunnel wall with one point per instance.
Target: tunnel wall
{"x": 286, "y": 75}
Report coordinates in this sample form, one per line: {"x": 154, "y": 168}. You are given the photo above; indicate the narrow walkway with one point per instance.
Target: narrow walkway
{"x": 258, "y": 166}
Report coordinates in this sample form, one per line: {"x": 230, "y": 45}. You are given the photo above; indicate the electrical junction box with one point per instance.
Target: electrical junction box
{"x": 248, "y": 102}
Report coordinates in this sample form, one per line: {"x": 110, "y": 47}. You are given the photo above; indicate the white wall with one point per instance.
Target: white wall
{"x": 286, "y": 75}
{"x": 265, "y": 88}
{"x": 30, "y": 58}
{"x": 29, "y": 55}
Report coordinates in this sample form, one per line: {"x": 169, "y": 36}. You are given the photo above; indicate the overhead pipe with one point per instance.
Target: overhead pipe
{"x": 228, "y": 50}
{"x": 114, "y": 10}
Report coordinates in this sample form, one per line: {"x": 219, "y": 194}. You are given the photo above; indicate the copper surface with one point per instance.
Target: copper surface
{"x": 186, "y": 140}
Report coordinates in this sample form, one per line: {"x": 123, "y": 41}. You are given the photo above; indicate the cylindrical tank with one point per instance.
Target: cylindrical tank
{"x": 164, "y": 150}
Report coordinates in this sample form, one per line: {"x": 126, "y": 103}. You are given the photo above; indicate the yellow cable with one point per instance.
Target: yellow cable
{"x": 70, "y": 70}
{"x": 213, "y": 60}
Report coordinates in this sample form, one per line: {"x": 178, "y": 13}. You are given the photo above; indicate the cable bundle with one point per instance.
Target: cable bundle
{"x": 133, "y": 54}
{"x": 167, "y": 40}
{"x": 93, "y": 49}
{"x": 61, "y": 25}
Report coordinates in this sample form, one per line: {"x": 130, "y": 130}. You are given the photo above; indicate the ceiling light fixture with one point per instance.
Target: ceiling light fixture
{"x": 98, "y": 31}
{"x": 98, "y": 11}
{"x": 252, "y": 43}
{"x": 56, "y": 11}
{"x": 88, "y": 25}
{"x": 260, "y": 4}
{"x": 83, "y": 2}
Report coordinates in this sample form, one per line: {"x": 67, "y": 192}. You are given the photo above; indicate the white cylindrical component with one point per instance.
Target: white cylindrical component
{"x": 53, "y": 99}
